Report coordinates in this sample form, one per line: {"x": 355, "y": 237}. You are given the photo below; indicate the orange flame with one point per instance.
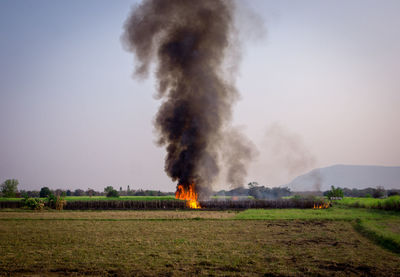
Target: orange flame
{"x": 189, "y": 195}
{"x": 322, "y": 206}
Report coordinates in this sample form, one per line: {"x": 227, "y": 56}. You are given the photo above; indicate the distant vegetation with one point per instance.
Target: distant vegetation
{"x": 261, "y": 192}
{"x": 257, "y": 192}
{"x": 9, "y": 192}
{"x": 377, "y": 192}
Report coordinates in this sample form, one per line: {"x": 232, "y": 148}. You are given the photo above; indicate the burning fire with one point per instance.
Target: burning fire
{"x": 189, "y": 195}
{"x": 322, "y": 206}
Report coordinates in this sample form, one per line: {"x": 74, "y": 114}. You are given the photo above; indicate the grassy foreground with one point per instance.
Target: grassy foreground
{"x": 383, "y": 232}
{"x": 183, "y": 243}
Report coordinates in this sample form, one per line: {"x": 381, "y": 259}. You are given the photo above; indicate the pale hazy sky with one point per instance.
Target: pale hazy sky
{"x": 321, "y": 88}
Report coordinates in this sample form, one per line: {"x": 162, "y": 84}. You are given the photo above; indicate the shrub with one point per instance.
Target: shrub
{"x": 34, "y": 203}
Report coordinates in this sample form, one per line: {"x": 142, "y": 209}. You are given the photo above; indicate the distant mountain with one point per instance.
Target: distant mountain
{"x": 350, "y": 176}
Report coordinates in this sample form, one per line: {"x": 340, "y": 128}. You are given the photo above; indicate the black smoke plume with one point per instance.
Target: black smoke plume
{"x": 189, "y": 41}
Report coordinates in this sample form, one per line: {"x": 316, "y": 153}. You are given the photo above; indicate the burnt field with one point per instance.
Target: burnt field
{"x": 182, "y": 243}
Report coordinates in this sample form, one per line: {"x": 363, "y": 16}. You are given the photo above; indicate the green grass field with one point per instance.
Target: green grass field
{"x": 389, "y": 203}
{"x": 367, "y": 201}
{"x": 334, "y": 213}
{"x": 385, "y": 232}
{"x": 337, "y": 241}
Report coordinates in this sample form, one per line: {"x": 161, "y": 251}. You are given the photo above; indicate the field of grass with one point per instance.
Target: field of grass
{"x": 390, "y": 203}
{"x": 335, "y": 241}
{"x": 381, "y": 226}
{"x": 367, "y": 201}
{"x": 385, "y": 232}
{"x": 334, "y": 213}
{"x": 189, "y": 247}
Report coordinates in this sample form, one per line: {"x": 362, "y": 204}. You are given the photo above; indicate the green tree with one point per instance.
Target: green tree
{"x": 107, "y": 189}
{"x": 379, "y": 192}
{"x": 90, "y": 192}
{"x": 335, "y": 192}
{"x": 9, "y": 188}
{"x": 79, "y": 192}
{"x": 111, "y": 192}
{"x": 45, "y": 192}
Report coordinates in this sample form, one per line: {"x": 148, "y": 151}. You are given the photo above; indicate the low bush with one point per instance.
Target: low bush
{"x": 34, "y": 203}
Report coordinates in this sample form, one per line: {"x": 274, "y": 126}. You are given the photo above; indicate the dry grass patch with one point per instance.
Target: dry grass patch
{"x": 190, "y": 247}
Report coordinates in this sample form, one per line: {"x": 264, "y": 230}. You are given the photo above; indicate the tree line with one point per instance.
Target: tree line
{"x": 262, "y": 192}
{"x": 9, "y": 188}
{"x": 378, "y": 192}
{"x": 256, "y": 191}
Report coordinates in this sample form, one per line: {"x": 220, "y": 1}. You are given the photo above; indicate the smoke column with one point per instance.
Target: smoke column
{"x": 189, "y": 42}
